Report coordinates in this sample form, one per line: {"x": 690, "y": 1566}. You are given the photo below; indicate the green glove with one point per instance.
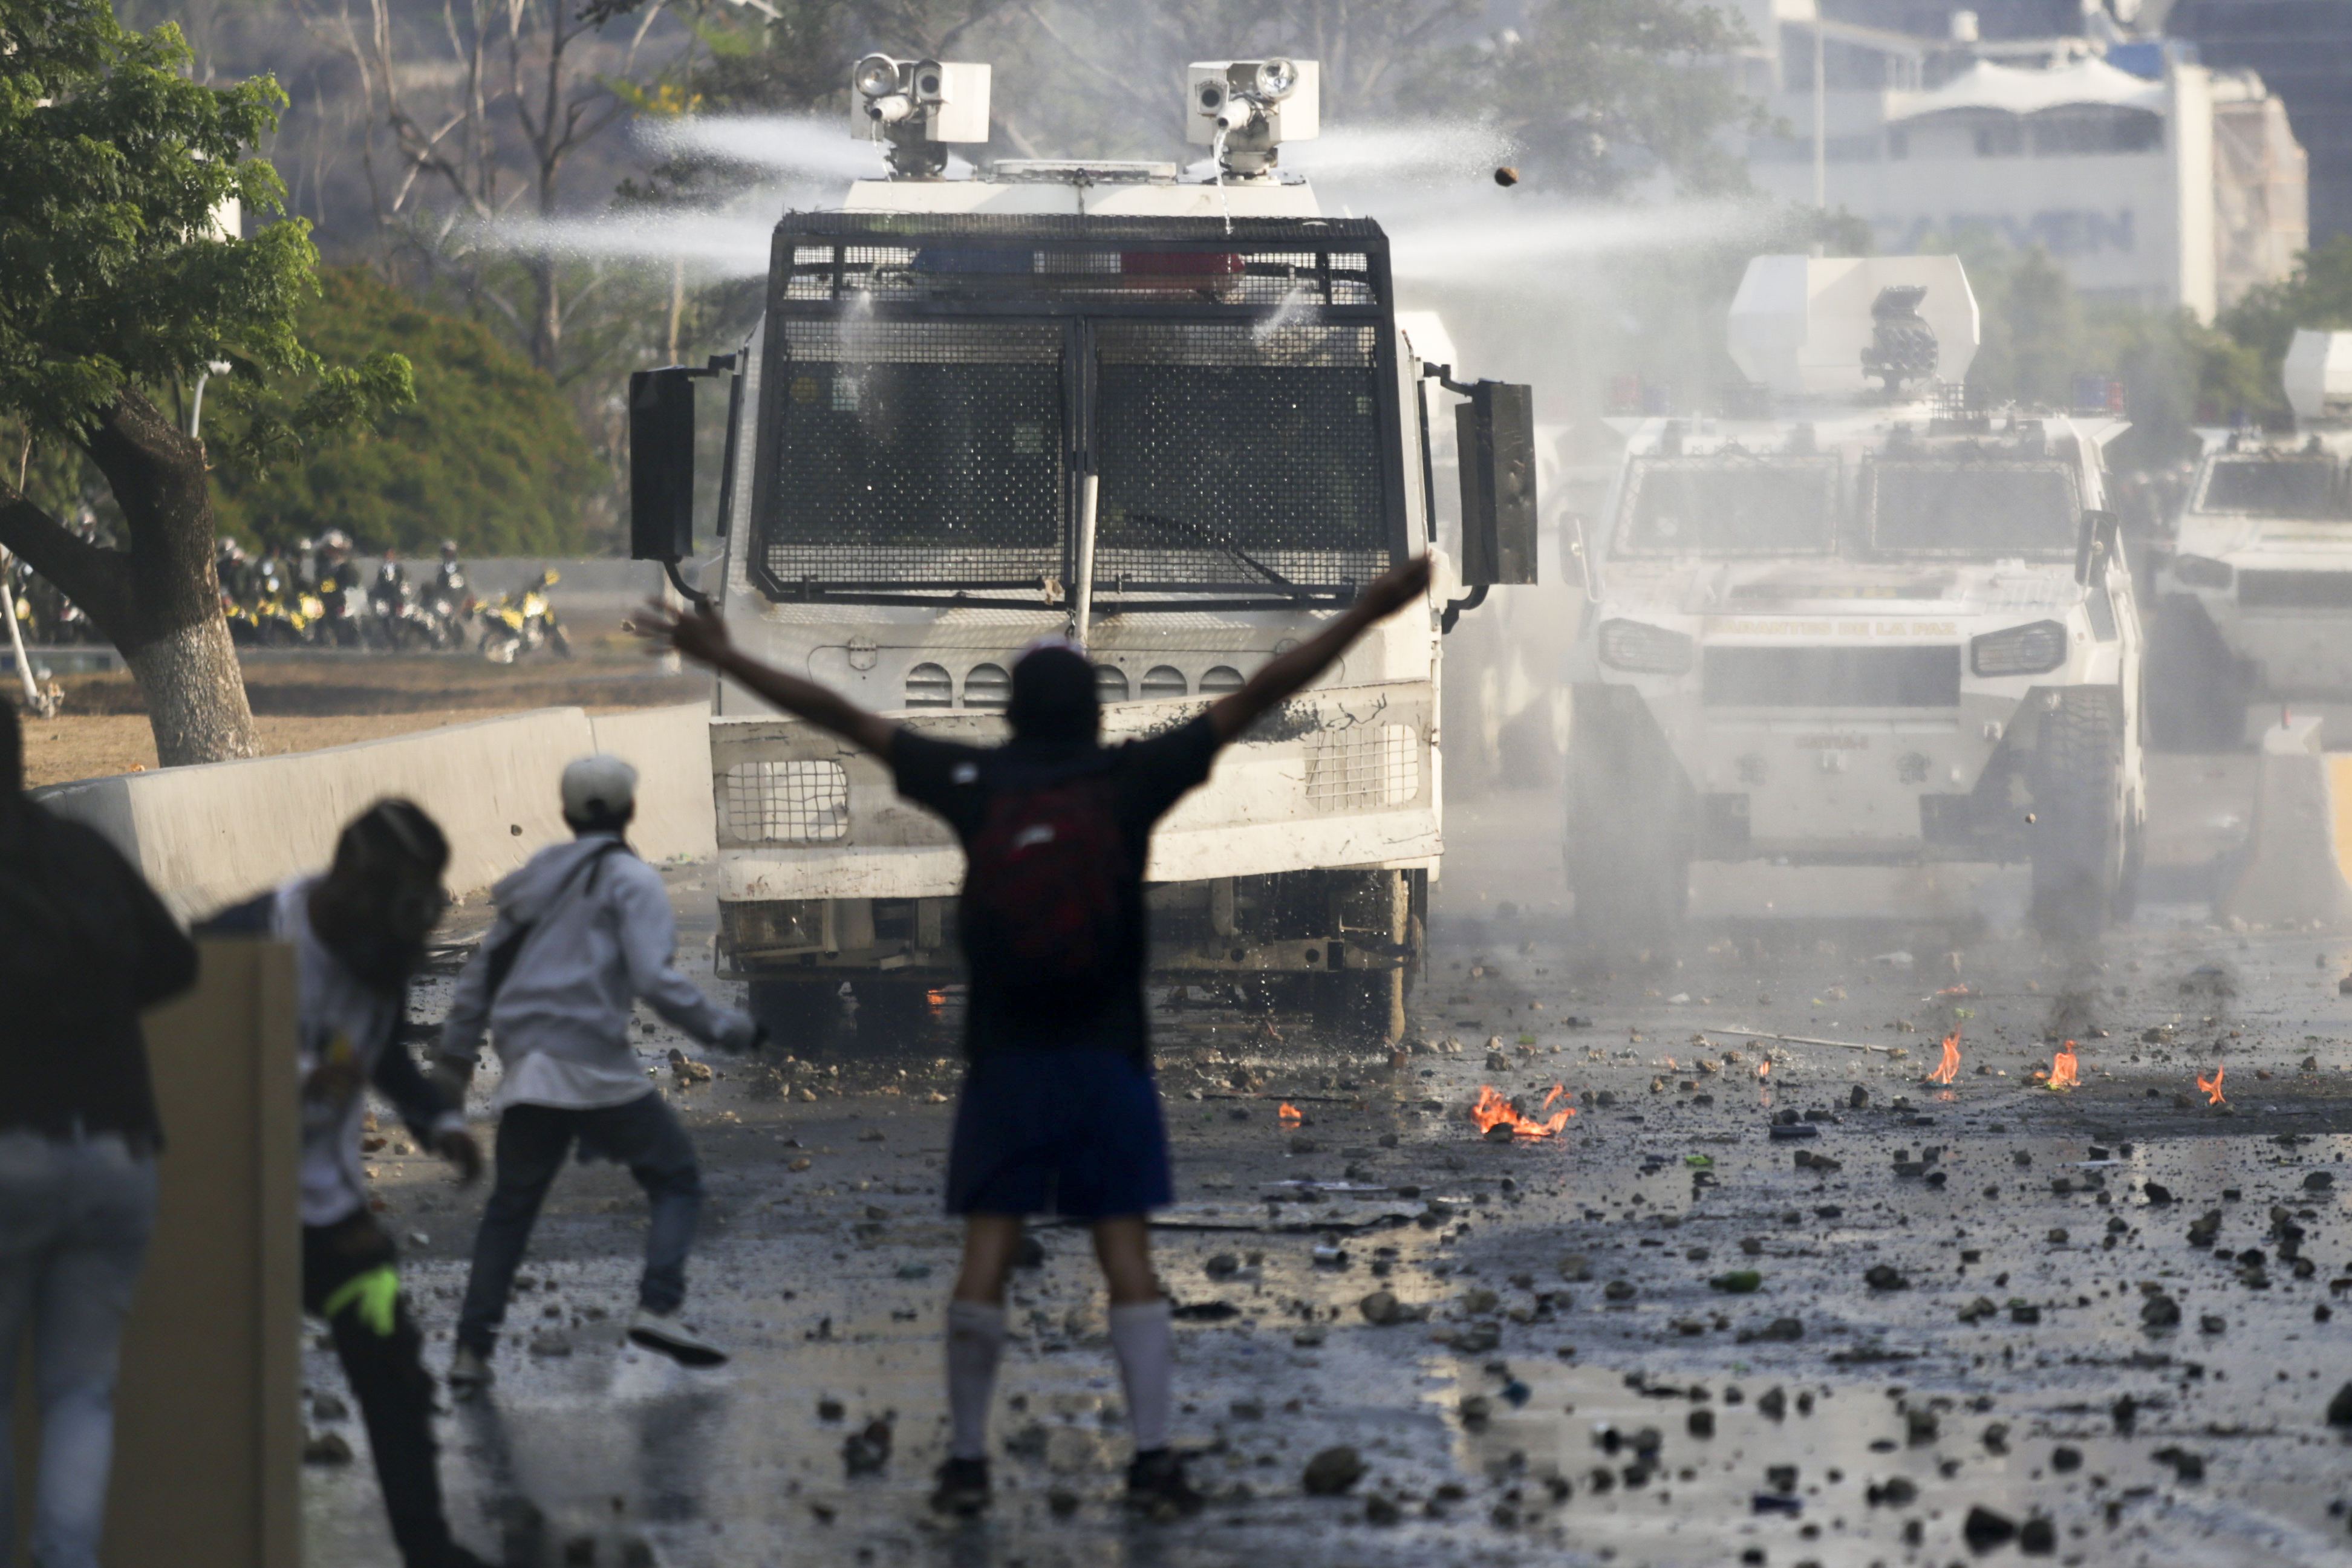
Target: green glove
{"x": 376, "y": 1293}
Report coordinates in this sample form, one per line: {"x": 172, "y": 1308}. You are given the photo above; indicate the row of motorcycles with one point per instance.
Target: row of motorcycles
{"x": 330, "y": 601}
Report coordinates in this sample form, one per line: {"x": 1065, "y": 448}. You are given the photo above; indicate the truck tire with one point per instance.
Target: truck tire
{"x": 2126, "y": 899}
{"x": 1359, "y": 1008}
{"x": 1629, "y": 842}
{"x": 799, "y": 1014}
{"x": 2080, "y": 817}
{"x": 2197, "y": 691}
{"x": 891, "y": 1012}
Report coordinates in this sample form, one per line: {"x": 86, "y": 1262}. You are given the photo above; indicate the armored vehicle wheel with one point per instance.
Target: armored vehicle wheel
{"x": 2081, "y": 810}
{"x": 797, "y": 1013}
{"x": 1629, "y": 845}
{"x": 2197, "y": 690}
{"x": 1361, "y": 1007}
{"x": 2126, "y": 899}
{"x": 891, "y": 1012}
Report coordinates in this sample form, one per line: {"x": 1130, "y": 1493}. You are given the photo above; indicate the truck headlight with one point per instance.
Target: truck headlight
{"x": 1649, "y": 650}
{"x": 2201, "y": 571}
{"x": 2020, "y": 651}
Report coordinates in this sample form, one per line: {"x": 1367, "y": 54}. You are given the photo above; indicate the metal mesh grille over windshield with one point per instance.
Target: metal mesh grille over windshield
{"x": 917, "y": 452}
{"x": 1225, "y": 444}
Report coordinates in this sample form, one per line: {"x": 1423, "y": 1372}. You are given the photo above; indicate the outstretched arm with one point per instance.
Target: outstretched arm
{"x": 1286, "y": 673}
{"x": 701, "y": 636}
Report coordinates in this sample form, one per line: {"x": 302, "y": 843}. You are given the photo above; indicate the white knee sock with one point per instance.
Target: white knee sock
{"x": 975, "y": 1344}
{"x": 1140, "y": 1336}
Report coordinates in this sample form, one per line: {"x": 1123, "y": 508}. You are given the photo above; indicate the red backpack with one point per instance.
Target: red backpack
{"x": 1041, "y": 892}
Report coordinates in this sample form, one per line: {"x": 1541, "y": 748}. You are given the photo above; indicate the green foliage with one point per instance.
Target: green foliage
{"x": 1606, "y": 93}
{"x": 113, "y": 274}
{"x": 2039, "y": 334}
{"x": 2317, "y": 294}
{"x": 489, "y": 453}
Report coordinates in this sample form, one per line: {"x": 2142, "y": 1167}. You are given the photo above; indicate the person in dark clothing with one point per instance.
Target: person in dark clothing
{"x": 1059, "y": 1110}
{"x": 359, "y": 935}
{"x": 85, "y": 945}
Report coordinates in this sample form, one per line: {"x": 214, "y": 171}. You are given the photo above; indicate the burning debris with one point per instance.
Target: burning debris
{"x": 2063, "y": 1072}
{"x": 1950, "y": 1068}
{"x": 1289, "y": 1115}
{"x": 1493, "y": 1110}
{"x": 2211, "y": 1087}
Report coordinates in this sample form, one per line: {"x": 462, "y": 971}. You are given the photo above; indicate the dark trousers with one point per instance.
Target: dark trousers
{"x": 533, "y": 1140}
{"x": 381, "y": 1361}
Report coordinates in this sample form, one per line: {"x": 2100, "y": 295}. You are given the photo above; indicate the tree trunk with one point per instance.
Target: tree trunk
{"x": 159, "y": 602}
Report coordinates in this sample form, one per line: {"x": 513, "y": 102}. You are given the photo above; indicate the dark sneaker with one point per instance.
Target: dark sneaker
{"x": 469, "y": 1373}
{"x": 1156, "y": 1487}
{"x": 962, "y": 1489}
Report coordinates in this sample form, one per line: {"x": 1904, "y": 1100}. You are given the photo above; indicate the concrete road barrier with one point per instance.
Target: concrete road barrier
{"x": 2298, "y": 867}
{"x": 670, "y": 750}
{"x": 211, "y": 835}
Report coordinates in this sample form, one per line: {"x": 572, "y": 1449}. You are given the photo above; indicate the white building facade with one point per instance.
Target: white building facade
{"x": 2166, "y": 186}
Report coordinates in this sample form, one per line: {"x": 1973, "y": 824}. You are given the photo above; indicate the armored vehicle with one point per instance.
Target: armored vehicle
{"x": 1169, "y": 415}
{"x": 1856, "y": 626}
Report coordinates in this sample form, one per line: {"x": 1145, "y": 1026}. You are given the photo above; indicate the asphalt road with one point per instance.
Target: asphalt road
{"x": 1655, "y": 1337}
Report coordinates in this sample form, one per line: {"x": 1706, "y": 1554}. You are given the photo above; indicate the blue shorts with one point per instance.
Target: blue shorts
{"x": 1075, "y": 1133}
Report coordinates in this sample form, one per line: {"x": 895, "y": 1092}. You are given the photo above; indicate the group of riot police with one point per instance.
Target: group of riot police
{"x": 318, "y": 594}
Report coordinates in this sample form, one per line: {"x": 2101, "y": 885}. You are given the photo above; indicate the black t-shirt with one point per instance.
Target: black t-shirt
{"x": 1147, "y": 777}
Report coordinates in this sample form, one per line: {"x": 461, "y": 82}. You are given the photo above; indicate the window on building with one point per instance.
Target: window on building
{"x": 2000, "y": 139}
{"x": 2089, "y": 129}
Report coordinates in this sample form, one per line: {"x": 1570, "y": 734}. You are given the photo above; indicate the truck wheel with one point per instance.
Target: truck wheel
{"x": 2079, "y": 849}
{"x": 2197, "y": 691}
{"x": 890, "y": 1012}
{"x": 2126, "y": 899}
{"x": 1359, "y": 1006}
{"x": 797, "y": 1013}
{"x": 1628, "y": 833}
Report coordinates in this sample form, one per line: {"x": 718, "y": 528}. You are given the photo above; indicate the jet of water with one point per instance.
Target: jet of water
{"x": 798, "y": 144}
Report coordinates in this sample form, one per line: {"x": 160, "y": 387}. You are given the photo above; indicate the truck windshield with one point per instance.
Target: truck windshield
{"x": 2273, "y": 487}
{"x": 1236, "y": 456}
{"x": 941, "y": 457}
{"x": 1971, "y": 508}
{"x": 1724, "y": 506}
{"x": 917, "y": 453}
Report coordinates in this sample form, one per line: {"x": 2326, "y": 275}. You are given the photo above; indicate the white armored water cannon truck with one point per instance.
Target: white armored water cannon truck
{"x": 2255, "y": 605}
{"x": 1172, "y": 417}
{"x": 1854, "y": 623}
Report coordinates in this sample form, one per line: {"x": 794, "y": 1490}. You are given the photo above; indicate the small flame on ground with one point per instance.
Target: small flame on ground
{"x": 1557, "y": 1091}
{"x": 2212, "y": 1086}
{"x": 936, "y": 998}
{"x": 1764, "y": 1070}
{"x": 1288, "y": 1116}
{"x": 1950, "y": 1068}
{"x": 1493, "y": 1111}
{"x": 2062, "y": 1073}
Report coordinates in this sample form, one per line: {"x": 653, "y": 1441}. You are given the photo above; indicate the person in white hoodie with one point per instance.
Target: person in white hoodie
{"x": 584, "y": 932}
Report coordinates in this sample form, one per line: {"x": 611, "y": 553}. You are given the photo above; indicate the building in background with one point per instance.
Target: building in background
{"x": 2303, "y": 49}
{"x": 2150, "y": 177}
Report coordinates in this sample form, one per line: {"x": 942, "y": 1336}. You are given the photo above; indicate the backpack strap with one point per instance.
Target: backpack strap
{"x": 501, "y": 958}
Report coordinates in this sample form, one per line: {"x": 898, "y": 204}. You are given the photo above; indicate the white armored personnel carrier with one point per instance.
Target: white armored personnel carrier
{"x": 1855, "y": 624}
{"x": 1173, "y": 416}
{"x": 2254, "y": 604}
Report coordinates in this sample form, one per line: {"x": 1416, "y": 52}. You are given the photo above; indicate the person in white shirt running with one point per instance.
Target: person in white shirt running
{"x": 583, "y": 931}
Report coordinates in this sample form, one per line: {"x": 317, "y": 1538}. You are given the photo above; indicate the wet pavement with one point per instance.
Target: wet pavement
{"x": 1759, "y": 1301}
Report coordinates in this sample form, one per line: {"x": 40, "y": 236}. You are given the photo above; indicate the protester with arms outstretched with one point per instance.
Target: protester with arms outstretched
{"x": 1059, "y": 1110}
